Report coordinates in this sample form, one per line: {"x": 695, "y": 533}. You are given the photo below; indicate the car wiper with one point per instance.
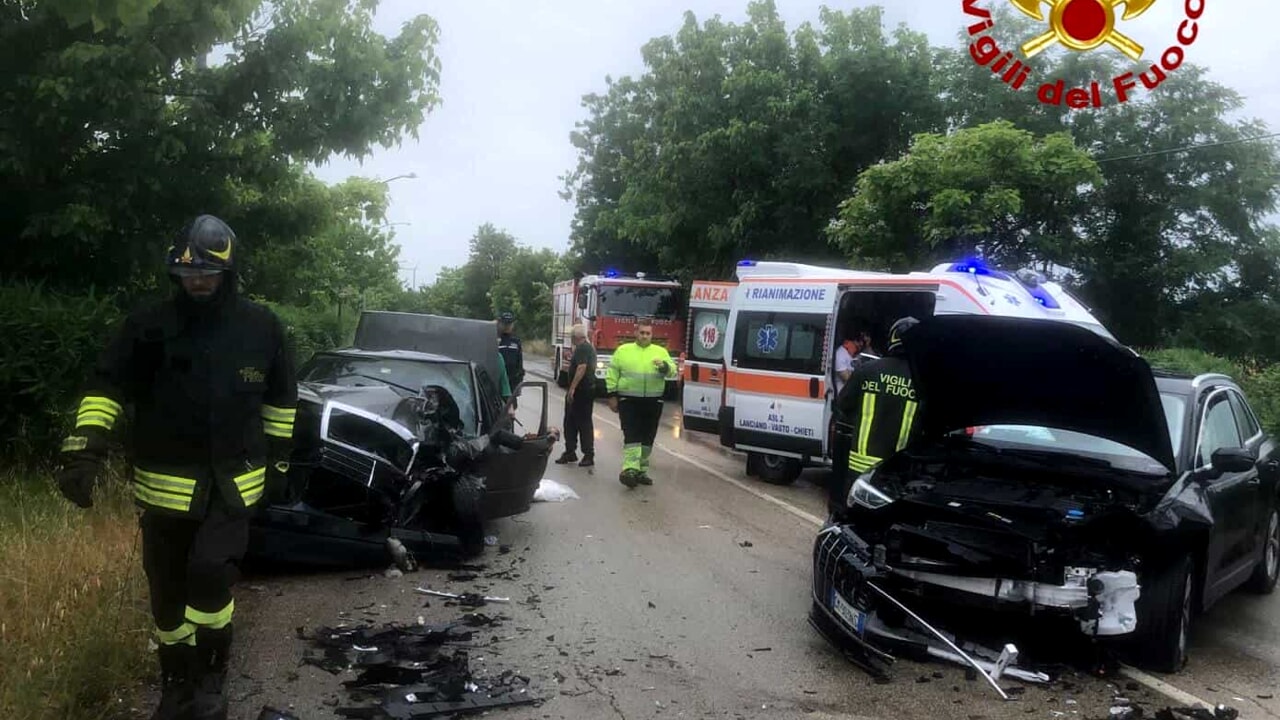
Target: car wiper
{"x": 378, "y": 379}
{"x": 619, "y": 313}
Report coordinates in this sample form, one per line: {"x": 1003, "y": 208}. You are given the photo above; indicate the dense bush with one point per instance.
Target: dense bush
{"x": 49, "y": 342}
{"x": 315, "y": 328}
{"x": 1261, "y": 383}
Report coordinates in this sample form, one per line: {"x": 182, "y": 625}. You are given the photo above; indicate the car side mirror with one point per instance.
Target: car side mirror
{"x": 1232, "y": 460}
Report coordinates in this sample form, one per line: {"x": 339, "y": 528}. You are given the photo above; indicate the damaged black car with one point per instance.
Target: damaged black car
{"x": 1052, "y": 475}
{"x": 402, "y": 446}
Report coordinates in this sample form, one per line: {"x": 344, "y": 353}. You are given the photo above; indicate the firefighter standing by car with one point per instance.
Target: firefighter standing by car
{"x": 636, "y": 383}
{"x": 511, "y": 349}
{"x": 212, "y": 385}
{"x": 876, "y": 411}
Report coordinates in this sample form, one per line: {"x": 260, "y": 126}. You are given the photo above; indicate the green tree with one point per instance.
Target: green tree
{"x": 742, "y": 139}
{"x": 1174, "y": 240}
{"x": 491, "y": 250}
{"x": 992, "y": 190}
{"x": 115, "y": 132}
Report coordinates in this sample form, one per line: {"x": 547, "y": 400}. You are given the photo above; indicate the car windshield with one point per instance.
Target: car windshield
{"x": 638, "y": 301}
{"x": 413, "y": 374}
{"x": 1073, "y": 443}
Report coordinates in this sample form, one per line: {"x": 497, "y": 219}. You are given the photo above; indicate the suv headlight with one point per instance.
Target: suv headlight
{"x": 865, "y": 494}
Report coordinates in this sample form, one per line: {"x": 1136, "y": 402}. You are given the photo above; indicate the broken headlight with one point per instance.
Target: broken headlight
{"x": 867, "y": 495}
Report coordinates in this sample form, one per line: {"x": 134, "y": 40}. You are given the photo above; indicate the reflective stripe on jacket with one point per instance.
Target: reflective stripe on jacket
{"x": 632, "y": 373}
{"x": 878, "y": 408}
{"x": 213, "y": 402}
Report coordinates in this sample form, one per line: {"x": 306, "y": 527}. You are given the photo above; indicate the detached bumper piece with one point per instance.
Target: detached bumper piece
{"x": 849, "y": 597}
{"x": 410, "y": 674}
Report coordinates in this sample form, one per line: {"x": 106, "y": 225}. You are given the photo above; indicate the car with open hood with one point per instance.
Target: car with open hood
{"x": 365, "y": 470}
{"x": 1052, "y": 473}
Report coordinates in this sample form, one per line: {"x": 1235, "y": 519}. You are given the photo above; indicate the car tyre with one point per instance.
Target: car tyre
{"x": 561, "y": 374}
{"x": 1165, "y": 610}
{"x": 1263, "y": 580}
{"x": 776, "y": 469}
{"x": 468, "y": 512}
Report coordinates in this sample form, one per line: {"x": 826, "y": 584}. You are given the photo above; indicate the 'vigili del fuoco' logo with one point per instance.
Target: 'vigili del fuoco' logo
{"x": 1082, "y": 26}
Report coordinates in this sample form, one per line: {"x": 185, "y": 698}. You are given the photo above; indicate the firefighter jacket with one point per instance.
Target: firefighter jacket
{"x": 512, "y": 352}
{"x": 213, "y": 398}
{"x": 632, "y": 373}
{"x": 877, "y": 407}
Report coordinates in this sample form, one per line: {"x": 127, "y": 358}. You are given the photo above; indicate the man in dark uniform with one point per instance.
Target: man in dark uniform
{"x": 579, "y": 402}
{"x": 211, "y": 383}
{"x": 511, "y": 349}
{"x": 875, "y": 415}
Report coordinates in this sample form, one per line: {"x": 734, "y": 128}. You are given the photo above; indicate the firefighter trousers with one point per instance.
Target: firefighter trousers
{"x": 191, "y": 566}
{"x": 579, "y": 425}
{"x": 640, "y": 418}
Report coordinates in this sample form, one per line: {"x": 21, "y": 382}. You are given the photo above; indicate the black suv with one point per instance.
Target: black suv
{"x": 1055, "y": 473}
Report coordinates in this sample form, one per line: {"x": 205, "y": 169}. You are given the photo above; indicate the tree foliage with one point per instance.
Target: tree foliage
{"x": 749, "y": 141}
{"x": 741, "y": 139}
{"x": 992, "y": 190}
{"x": 116, "y": 130}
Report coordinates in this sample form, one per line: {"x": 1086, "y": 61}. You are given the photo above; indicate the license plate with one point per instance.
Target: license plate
{"x": 852, "y": 616}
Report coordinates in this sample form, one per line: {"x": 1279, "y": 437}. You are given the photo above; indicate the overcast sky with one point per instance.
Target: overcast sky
{"x": 514, "y": 73}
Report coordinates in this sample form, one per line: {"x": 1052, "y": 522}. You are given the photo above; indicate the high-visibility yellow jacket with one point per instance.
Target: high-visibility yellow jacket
{"x": 632, "y": 372}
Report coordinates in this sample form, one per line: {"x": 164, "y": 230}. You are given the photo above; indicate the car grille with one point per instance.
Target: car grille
{"x": 832, "y": 558}
{"x": 342, "y": 461}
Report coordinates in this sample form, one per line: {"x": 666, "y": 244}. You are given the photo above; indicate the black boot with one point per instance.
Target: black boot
{"x": 213, "y": 650}
{"x": 588, "y": 460}
{"x": 568, "y": 457}
{"x": 176, "y": 665}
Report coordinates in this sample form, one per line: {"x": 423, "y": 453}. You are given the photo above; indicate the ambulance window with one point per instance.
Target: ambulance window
{"x": 708, "y": 329}
{"x": 782, "y": 342}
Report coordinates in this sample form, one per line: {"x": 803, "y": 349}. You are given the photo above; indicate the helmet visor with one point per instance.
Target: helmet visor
{"x": 188, "y": 271}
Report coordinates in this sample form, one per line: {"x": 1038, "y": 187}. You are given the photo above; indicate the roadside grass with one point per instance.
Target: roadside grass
{"x": 74, "y": 622}
{"x": 541, "y": 348}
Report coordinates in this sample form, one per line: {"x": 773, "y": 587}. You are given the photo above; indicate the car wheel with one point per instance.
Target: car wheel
{"x": 1263, "y": 580}
{"x": 1165, "y": 610}
{"x": 777, "y": 470}
{"x": 561, "y": 374}
{"x": 468, "y": 513}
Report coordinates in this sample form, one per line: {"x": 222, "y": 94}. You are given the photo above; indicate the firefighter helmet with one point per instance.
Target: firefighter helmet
{"x": 899, "y": 329}
{"x": 206, "y": 246}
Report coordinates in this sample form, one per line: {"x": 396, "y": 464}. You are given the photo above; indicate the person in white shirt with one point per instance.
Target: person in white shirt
{"x": 847, "y": 356}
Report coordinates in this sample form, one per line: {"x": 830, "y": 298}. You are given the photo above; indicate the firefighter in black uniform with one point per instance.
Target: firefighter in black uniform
{"x": 512, "y": 351}
{"x": 875, "y": 415}
{"x": 212, "y": 387}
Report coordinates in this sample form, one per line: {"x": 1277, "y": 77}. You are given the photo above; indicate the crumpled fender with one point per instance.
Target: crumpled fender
{"x": 1185, "y": 502}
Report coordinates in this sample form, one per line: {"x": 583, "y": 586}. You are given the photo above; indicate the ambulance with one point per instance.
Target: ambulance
{"x": 702, "y": 366}
{"x": 787, "y": 320}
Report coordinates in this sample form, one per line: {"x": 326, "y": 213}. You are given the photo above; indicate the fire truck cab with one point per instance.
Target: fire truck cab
{"x": 607, "y": 305}
{"x": 787, "y": 321}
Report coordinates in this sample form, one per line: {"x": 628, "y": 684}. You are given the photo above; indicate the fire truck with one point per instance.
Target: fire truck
{"x": 608, "y": 305}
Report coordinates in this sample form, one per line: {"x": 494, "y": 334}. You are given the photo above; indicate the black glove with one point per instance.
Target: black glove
{"x": 76, "y": 479}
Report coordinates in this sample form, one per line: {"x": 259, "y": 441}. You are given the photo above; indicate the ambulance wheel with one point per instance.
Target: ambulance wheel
{"x": 776, "y": 469}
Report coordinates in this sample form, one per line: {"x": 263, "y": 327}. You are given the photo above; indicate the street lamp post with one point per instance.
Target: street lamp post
{"x": 410, "y": 176}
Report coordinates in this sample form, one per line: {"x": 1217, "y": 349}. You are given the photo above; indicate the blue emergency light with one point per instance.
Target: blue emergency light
{"x": 611, "y": 273}
{"x": 975, "y": 266}
{"x": 746, "y": 263}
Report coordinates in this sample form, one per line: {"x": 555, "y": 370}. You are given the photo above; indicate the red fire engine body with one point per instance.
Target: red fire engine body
{"x": 608, "y": 305}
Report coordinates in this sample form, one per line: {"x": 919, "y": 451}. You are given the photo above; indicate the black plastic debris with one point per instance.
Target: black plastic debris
{"x": 409, "y": 672}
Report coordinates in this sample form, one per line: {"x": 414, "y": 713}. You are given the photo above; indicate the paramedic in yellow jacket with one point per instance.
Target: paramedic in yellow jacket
{"x": 636, "y": 383}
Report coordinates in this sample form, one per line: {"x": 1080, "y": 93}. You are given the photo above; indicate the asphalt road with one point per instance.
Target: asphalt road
{"x": 686, "y": 599}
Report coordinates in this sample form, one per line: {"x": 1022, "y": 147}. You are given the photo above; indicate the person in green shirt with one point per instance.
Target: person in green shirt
{"x": 504, "y": 383}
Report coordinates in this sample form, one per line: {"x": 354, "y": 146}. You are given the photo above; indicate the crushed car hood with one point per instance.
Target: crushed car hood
{"x": 378, "y": 399}
{"x": 974, "y": 370}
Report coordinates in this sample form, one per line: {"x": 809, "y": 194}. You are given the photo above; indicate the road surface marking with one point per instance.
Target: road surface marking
{"x": 1132, "y": 673}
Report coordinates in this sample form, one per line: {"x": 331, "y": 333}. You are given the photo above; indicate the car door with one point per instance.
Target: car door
{"x": 703, "y": 368}
{"x": 1262, "y": 488}
{"x": 511, "y": 476}
{"x": 1230, "y": 494}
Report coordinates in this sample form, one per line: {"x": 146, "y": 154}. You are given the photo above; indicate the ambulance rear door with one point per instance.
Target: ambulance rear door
{"x": 702, "y": 372}
{"x": 776, "y": 374}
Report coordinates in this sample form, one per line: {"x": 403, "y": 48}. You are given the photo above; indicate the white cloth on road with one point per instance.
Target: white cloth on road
{"x": 552, "y": 491}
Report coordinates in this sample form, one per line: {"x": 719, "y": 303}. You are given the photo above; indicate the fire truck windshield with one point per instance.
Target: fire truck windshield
{"x": 638, "y": 301}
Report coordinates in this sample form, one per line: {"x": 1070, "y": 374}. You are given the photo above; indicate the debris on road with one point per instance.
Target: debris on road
{"x": 472, "y": 599}
{"x": 552, "y": 491}
{"x": 408, "y": 674}
{"x": 270, "y": 713}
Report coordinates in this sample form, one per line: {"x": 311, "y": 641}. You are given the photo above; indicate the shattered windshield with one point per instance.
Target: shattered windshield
{"x": 1069, "y": 442}
{"x": 638, "y": 301}
{"x": 364, "y": 372}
